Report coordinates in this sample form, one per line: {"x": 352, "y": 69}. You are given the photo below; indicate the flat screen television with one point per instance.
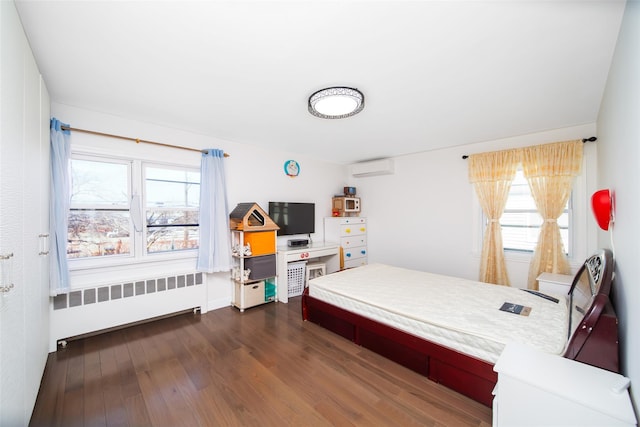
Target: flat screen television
{"x": 293, "y": 217}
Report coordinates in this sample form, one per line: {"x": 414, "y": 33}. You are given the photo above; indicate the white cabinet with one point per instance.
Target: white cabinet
{"x": 557, "y": 284}
{"x": 351, "y": 233}
{"x": 540, "y": 389}
{"x": 24, "y": 221}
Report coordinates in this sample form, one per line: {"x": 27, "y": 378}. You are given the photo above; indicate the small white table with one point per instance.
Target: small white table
{"x": 553, "y": 283}
{"x": 325, "y": 252}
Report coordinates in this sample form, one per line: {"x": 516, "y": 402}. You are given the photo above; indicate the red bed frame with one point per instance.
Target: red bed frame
{"x": 468, "y": 375}
{"x": 595, "y": 341}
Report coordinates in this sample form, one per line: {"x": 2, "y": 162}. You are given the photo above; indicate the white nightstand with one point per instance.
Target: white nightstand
{"x": 540, "y": 389}
{"x": 552, "y": 283}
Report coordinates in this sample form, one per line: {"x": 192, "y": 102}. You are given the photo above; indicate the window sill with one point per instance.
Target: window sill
{"x": 525, "y": 258}
{"x": 518, "y": 256}
{"x": 127, "y": 269}
{"x": 116, "y": 262}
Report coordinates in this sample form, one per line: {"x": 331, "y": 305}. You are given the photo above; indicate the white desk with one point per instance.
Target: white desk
{"x": 327, "y": 252}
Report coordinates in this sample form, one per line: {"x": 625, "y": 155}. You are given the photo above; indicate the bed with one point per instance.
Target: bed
{"x": 453, "y": 330}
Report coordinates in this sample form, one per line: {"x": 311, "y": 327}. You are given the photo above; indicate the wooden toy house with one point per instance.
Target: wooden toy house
{"x": 250, "y": 217}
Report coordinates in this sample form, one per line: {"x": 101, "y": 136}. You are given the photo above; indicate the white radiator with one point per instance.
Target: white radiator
{"x": 93, "y": 309}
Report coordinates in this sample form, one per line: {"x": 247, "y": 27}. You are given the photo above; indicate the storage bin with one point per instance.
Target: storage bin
{"x": 269, "y": 290}
{"x": 295, "y": 278}
{"x": 261, "y": 266}
{"x": 315, "y": 269}
{"x": 261, "y": 242}
{"x": 254, "y": 294}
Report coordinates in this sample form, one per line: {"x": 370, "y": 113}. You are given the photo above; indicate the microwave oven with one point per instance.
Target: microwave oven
{"x": 342, "y": 206}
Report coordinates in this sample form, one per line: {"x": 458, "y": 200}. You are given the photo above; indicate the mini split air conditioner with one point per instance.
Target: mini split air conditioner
{"x": 372, "y": 168}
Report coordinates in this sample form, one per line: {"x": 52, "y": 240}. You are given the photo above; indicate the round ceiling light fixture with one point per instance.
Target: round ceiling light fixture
{"x": 336, "y": 102}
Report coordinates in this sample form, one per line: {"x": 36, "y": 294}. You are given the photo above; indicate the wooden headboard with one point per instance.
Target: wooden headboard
{"x": 593, "y": 327}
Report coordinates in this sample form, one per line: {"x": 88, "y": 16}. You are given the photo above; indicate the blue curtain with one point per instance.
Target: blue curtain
{"x": 214, "y": 253}
{"x": 60, "y": 141}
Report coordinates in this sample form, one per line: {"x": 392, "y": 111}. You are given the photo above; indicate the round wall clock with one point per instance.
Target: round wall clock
{"x": 291, "y": 168}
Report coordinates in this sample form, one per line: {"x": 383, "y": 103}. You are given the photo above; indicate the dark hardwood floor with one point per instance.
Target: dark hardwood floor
{"x": 262, "y": 367}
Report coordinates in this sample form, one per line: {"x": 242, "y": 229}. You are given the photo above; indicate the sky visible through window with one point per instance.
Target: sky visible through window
{"x": 100, "y": 222}
{"x": 521, "y": 221}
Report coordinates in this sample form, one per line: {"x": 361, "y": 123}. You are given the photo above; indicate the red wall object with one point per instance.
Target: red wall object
{"x": 601, "y": 205}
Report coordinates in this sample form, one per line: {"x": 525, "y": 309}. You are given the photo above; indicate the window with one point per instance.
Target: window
{"x": 99, "y": 218}
{"x": 172, "y": 198}
{"x": 521, "y": 221}
{"x": 104, "y": 219}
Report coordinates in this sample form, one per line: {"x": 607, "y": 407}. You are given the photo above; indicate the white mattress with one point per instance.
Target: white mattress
{"x": 456, "y": 313}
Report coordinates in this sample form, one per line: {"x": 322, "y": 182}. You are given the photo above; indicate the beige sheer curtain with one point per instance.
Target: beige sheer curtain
{"x": 550, "y": 170}
{"x": 491, "y": 175}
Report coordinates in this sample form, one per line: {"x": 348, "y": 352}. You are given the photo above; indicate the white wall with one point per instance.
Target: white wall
{"x": 619, "y": 157}
{"x": 426, "y": 216}
{"x": 253, "y": 175}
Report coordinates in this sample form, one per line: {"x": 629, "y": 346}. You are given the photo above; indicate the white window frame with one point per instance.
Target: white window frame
{"x": 138, "y": 254}
{"x": 90, "y": 261}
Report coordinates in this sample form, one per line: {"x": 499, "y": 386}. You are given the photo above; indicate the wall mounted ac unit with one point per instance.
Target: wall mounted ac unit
{"x": 372, "y": 168}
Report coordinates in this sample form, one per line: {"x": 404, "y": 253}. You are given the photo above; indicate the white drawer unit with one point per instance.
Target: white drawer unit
{"x": 558, "y": 284}
{"x": 351, "y": 233}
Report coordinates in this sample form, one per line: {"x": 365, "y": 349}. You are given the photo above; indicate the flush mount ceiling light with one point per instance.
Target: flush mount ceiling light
{"x": 336, "y": 102}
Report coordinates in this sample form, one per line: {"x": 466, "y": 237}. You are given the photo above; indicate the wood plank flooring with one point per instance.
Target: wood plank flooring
{"x": 263, "y": 367}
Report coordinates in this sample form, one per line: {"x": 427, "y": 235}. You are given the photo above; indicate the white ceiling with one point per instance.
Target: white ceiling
{"x": 434, "y": 73}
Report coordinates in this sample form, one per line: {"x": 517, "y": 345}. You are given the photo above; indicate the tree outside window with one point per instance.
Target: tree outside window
{"x": 101, "y": 219}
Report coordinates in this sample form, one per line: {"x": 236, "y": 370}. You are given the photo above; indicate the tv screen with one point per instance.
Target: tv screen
{"x": 293, "y": 218}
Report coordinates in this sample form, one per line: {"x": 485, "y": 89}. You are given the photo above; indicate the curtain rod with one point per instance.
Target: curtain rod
{"x": 590, "y": 139}
{"x": 136, "y": 140}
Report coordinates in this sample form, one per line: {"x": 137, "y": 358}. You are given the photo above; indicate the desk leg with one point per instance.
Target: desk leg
{"x": 282, "y": 293}
{"x": 333, "y": 263}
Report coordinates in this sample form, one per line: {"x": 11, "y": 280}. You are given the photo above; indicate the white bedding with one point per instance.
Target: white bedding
{"x": 456, "y": 313}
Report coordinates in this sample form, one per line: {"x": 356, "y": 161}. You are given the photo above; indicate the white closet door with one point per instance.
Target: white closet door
{"x": 24, "y": 323}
